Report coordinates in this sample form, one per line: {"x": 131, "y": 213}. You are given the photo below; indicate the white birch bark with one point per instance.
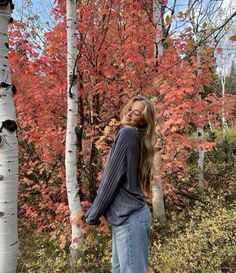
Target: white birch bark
{"x": 158, "y": 204}
{"x": 200, "y": 130}
{"x": 8, "y": 157}
{"x": 201, "y": 136}
{"x": 71, "y": 138}
{"x": 157, "y": 20}
{"x": 201, "y": 158}
{"x": 224, "y": 62}
{"x": 223, "y": 119}
{"x": 157, "y": 188}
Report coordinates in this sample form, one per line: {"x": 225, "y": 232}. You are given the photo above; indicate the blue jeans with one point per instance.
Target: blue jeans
{"x": 130, "y": 243}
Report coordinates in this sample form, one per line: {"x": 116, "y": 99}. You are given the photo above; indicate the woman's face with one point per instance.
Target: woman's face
{"x": 134, "y": 116}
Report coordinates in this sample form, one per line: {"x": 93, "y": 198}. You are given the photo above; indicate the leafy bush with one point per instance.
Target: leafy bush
{"x": 95, "y": 253}
{"x": 39, "y": 254}
{"x": 200, "y": 240}
{"x": 199, "y": 236}
{"x": 206, "y": 245}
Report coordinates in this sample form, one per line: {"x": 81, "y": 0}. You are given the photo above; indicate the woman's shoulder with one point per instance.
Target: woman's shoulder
{"x": 128, "y": 133}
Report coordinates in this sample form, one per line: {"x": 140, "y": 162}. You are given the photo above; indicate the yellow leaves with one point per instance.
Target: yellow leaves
{"x": 113, "y": 122}
{"x": 107, "y": 134}
{"x": 167, "y": 42}
{"x": 188, "y": 29}
{"x": 183, "y": 15}
{"x": 190, "y": 44}
{"x": 108, "y": 128}
{"x": 204, "y": 25}
{"x": 204, "y": 244}
{"x": 168, "y": 20}
{"x": 187, "y": 12}
{"x": 180, "y": 14}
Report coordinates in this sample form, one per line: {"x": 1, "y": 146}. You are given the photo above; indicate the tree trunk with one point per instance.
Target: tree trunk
{"x": 201, "y": 135}
{"x": 223, "y": 119}
{"x": 8, "y": 156}
{"x": 201, "y": 158}
{"x": 200, "y": 130}
{"x": 93, "y": 161}
{"x": 80, "y": 131}
{"x": 157, "y": 188}
{"x": 157, "y": 20}
{"x": 158, "y": 205}
{"x": 71, "y": 137}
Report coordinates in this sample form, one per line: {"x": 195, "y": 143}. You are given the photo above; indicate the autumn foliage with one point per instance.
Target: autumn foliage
{"x": 115, "y": 61}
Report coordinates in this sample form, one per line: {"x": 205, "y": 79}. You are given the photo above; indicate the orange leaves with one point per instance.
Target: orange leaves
{"x": 76, "y": 219}
{"x": 116, "y": 60}
{"x": 181, "y": 108}
{"x": 205, "y": 145}
{"x": 232, "y": 38}
{"x": 182, "y": 14}
{"x": 62, "y": 241}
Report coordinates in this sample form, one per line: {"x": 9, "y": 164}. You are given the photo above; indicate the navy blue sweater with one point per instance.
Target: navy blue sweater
{"x": 119, "y": 193}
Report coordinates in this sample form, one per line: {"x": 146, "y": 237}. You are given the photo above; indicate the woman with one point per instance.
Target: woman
{"x": 120, "y": 197}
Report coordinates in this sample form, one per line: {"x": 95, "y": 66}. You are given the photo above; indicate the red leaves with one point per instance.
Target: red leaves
{"x": 219, "y": 50}
{"x": 116, "y": 60}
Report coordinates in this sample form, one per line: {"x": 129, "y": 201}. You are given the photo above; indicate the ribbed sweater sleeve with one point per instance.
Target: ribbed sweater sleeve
{"x": 115, "y": 168}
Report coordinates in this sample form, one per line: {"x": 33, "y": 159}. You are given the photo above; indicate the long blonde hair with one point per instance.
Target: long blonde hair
{"x": 147, "y": 132}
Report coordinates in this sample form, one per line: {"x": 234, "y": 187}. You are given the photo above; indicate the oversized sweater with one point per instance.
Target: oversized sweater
{"x": 119, "y": 193}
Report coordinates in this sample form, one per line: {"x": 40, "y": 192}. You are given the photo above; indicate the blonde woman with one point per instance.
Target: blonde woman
{"x": 120, "y": 196}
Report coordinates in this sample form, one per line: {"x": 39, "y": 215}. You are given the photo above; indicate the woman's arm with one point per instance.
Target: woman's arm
{"x": 115, "y": 168}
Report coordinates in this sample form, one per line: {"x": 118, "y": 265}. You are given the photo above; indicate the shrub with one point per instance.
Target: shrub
{"x": 206, "y": 245}
{"x": 95, "y": 253}
{"x": 39, "y": 254}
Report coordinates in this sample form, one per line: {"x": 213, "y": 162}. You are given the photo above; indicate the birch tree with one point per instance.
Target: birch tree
{"x": 225, "y": 57}
{"x": 8, "y": 153}
{"x": 71, "y": 137}
{"x": 202, "y": 15}
{"x": 223, "y": 74}
{"x": 157, "y": 188}
{"x": 195, "y": 20}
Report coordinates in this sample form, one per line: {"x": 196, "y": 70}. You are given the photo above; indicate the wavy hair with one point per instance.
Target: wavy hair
{"x": 147, "y": 132}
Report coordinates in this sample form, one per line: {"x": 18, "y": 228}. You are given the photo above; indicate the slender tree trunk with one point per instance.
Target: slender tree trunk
{"x": 201, "y": 136}
{"x": 93, "y": 161}
{"x": 200, "y": 130}
{"x": 158, "y": 205}
{"x": 157, "y": 188}
{"x": 80, "y": 131}
{"x": 201, "y": 158}
{"x": 8, "y": 155}
{"x": 157, "y": 19}
{"x": 71, "y": 136}
{"x": 223, "y": 119}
